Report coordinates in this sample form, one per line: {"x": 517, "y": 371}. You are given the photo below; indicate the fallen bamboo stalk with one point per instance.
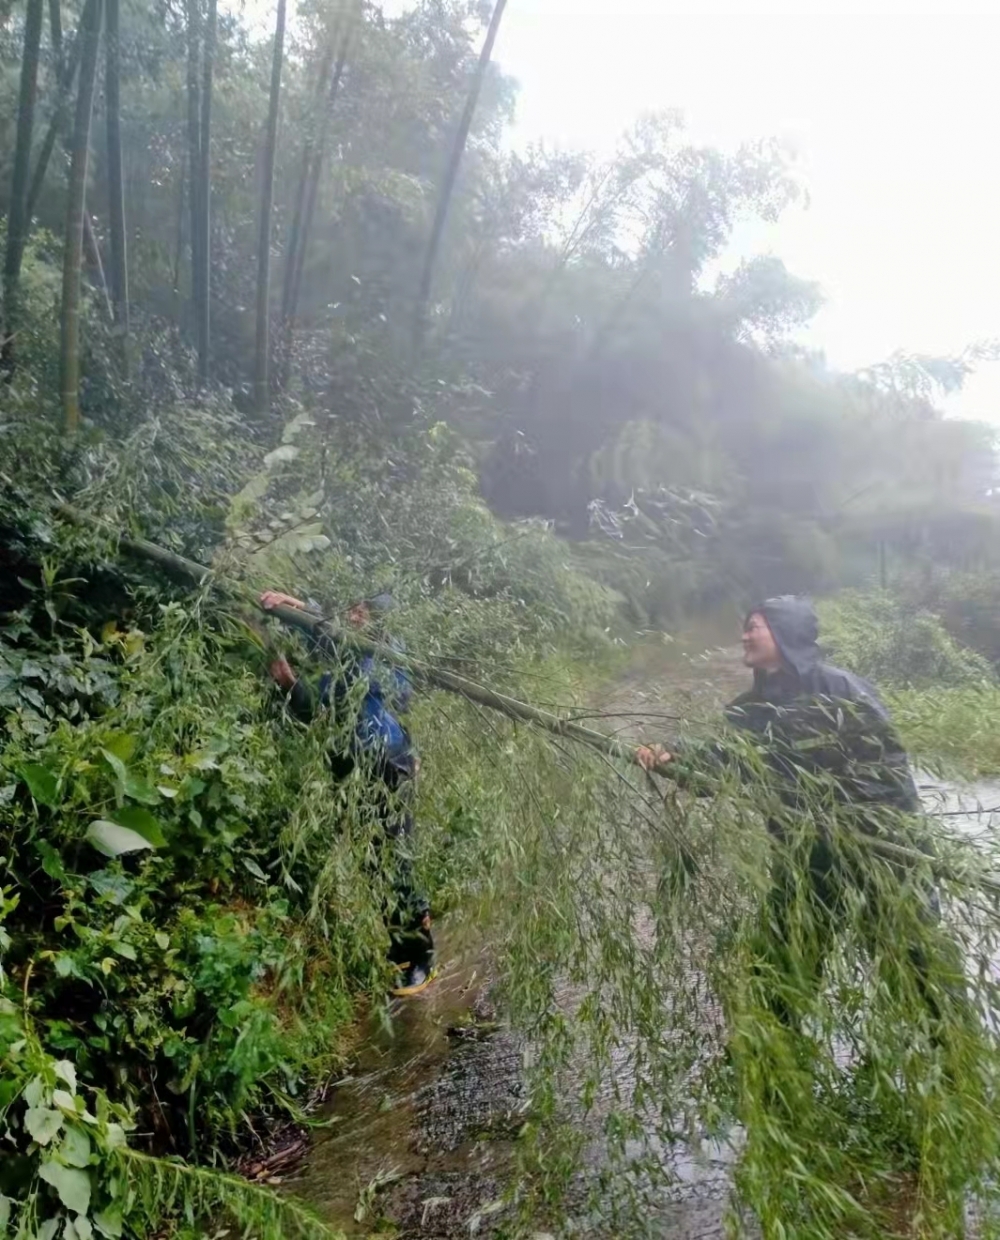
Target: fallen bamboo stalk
{"x": 521, "y": 712}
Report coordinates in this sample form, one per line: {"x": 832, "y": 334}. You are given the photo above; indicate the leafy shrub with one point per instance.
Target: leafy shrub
{"x": 954, "y": 729}
{"x": 969, "y": 607}
{"x": 879, "y": 636}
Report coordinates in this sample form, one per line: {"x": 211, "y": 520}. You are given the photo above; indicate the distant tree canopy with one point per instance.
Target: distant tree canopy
{"x": 571, "y": 324}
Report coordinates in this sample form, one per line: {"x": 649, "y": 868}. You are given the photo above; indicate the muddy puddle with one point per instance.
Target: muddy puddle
{"x": 420, "y": 1138}
{"x": 421, "y": 1133}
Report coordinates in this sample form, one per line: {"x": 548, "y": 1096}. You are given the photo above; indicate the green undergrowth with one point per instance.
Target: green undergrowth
{"x": 952, "y": 730}
{"x": 192, "y": 908}
{"x": 887, "y": 639}
{"x": 944, "y": 695}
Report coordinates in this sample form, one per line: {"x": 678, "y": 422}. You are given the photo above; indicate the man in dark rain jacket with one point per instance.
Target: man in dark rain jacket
{"x": 381, "y": 747}
{"x": 824, "y": 735}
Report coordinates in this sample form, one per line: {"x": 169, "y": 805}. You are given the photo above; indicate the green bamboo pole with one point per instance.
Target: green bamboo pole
{"x": 438, "y": 677}
{"x": 69, "y": 315}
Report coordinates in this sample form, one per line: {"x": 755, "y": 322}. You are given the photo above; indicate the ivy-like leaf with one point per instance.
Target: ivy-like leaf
{"x": 66, "y": 1072}
{"x": 109, "y": 1222}
{"x": 141, "y": 790}
{"x": 72, "y": 1185}
{"x": 75, "y": 1148}
{"x": 42, "y": 1123}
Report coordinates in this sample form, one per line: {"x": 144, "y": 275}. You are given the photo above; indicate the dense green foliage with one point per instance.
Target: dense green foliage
{"x": 885, "y": 639}
{"x": 591, "y": 432}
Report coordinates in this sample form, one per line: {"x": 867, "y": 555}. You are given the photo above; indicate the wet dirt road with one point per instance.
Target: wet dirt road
{"x": 421, "y": 1137}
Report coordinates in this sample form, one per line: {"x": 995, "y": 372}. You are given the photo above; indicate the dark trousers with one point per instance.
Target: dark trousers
{"x": 791, "y": 964}
{"x": 406, "y": 909}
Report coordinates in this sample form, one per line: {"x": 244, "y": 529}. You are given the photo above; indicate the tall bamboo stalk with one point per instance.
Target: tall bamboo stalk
{"x": 69, "y": 319}
{"x": 203, "y": 310}
{"x": 55, "y": 35}
{"x": 17, "y": 218}
{"x": 193, "y": 9}
{"x": 305, "y": 208}
{"x": 262, "y": 354}
{"x": 116, "y": 182}
{"x": 68, "y": 64}
{"x": 451, "y": 173}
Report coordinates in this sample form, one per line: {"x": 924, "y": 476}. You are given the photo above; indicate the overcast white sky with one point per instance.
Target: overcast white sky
{"x": 895, "y": 113}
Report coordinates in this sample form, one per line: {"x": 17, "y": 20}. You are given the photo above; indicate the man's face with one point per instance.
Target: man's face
{"x": 760, "y": 650}
{"x": 358, "y": 615}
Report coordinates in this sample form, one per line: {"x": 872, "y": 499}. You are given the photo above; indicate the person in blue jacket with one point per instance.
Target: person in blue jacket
{"x": 380, "y": 745}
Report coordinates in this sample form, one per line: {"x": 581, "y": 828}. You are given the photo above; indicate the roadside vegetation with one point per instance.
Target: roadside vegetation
{"x": 542, "y": 429}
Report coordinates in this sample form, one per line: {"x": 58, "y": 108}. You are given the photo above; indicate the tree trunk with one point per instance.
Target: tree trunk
{"x": 194, "y": 151}
{"x": 204, "y": 307}
{"x": 17, "y": 218}
{"x": 60, "y": 116}
{"x": 59, "y": 126}
{"x": 308, "y": 148}
{"x": 69, "y": 319}
{"x": 55, "y": 36}
{"x": 451, "y": 174}
{"x": 305, "y": 210}
{"x": 262, "y": 357}
{"x": 116, "y": 183}
{"x": 179, "y": 247}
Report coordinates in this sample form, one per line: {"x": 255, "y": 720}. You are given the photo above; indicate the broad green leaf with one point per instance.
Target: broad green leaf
{"x": 42, "y": 1123}
{"x": 109, "y": 1222}
{"x": 72, "y": 1185}
{"x": 122, "y": 745}
{"x": 117, "y": 765}
{"x": 42, "y": 784}
{"x": 5, "y": 1204}
{"x": 66, "y": 1072}
{"x": 113, "y": 840}
{"x": 141, "y": 790}
{"x": 67, "y": 1101}
{"x": 281, "y": 454}
{"x": 34, "y": 1091}
{"x": 84, "y": 1227}
{"x": 114, "y": 1137}
{"x": 75, "y": 1149}
{"x": 66, "y": 966}
{"x": 48, "y": 1229}
{"x": 254, "y": 868}
{"x": 142, "y": 822}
